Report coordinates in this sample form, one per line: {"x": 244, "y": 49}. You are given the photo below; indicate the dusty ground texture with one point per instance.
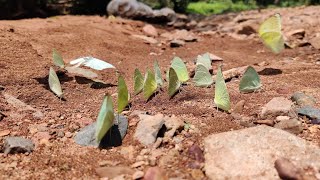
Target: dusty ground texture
{"x": 26, "y": 56}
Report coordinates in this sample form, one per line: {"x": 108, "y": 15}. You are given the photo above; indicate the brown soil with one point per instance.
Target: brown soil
{"x": 26, "y": 56}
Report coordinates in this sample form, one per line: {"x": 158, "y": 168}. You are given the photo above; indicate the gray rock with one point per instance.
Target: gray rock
{"x": 291, "y": 125}
{"x": 277, "y": 106}
{"x": 310, "y": 112}
{"x": 17, "y": 145}
{"x": 148, "y": 128}
{"x": 302, "y": 99}
{"x": 250, "y": 153}
{"x": 86, "y": 136}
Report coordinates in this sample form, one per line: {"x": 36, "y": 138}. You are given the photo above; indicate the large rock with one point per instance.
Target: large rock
{"x": 148, "y": 128}
{"x": 251, "y": 153}
{"x": 17, "y": 145}
{"x": 277, "y": 106}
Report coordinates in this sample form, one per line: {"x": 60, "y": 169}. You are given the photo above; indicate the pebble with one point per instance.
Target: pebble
{"x": 60, "y": 134}
{"x": 276, "y": 107}
{"x": 293, "y": 126}
{"x": 197, "y": 174}
{"x": 176, "y": 43}
{"x": 128, "y": 152}
{"x": 138, "y": 164}
{"x": 302, "y": 99}
{"x": 265, "y": 122}
{"x": 282, "y": 118}
{"x": 310, "y": 112}
{"x": 196, "y": 153}
{"x": 155, "y": 173}
{"x": 4, "y": 133}
{"x": 150, "y": 30}
{"x": 138, "y": 175}
{"x": 286, "y": 169}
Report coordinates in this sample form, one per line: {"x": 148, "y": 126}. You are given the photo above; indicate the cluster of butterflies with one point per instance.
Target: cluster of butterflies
{"x": 269, "y": 32}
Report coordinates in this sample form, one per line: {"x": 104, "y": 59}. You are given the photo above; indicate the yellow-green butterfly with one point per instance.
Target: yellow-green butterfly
{"x": 138, "y": 81}
{"x": 54, "y": 83}
{"x": 250, "y": 81}
{"x": 202, "y": 77}
{"x": 181, "y": 69}
{"x": 221, "y": 95}
{"x": 150, "y": 85}
{"x": 123, "y": 94}
{"x": 158, "y": 73}
{"x": 204, "y": 60}
{"x": 105, "y": 118}
{"x": 174, "y": 83}
{"x": 270, "y": 33}
{"x": 57, "y": 59}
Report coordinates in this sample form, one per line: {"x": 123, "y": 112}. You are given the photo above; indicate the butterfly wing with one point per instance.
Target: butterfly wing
{"x": 202, "y": 77}
{"x": 204, "y": 60}
{"x": 97, "y": 64}
{"x": 250, "y": 81}
{"x": 174, "y": 83}
{"x": 270, "y": 33}
{"x": 57, "y": 59}
{"x": 54, "y": 83}
{"x": 123, "y": 94}
{"x": 181, "y": 69}
{"x": 138, "y": 81}
{"x": 221, "y": 95}
{"x": 105, "y": 118}
{"x": 150, "y": 85}
{"x": 158, "y": 73}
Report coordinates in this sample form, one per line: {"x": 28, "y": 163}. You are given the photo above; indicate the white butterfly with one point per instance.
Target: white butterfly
{"x": 91, "y": 62}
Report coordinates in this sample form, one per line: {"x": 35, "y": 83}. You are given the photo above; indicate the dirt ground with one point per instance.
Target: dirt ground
{"x": 26, "y": 56}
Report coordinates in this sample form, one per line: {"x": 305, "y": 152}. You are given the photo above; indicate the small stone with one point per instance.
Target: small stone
{"x": 128, "y": 152}
{"x": 196, "y": 153}
{"x": 265, "y": 122}
{"x": 60, "y": 134}
{"x": 17, "y": 145}
{"x": 138, "y": 175}
{"x": 138, "y": 164}
{"x": 146, "y": 39}
{"x": 302, "y": 99}
{"x": 238, "y": 108}
{"x": 197, "y": 174}
{"x": 277, "y": 106}
{"x": 214, "y": 57}
{"x": 315, "y": 42}
{"x": 4, "y": 133}
{"x": 148, "y": 128}
{"x": 69, "y": 134}
{"x": 282, "y": 118}
{"x": 312, "y": 113}
{"x": 173, "y": 124}
{"x": 293, "y": 126}
{"x": 286, "y": 169}
{"x": 155, "y": 173}
{"x": 44, "y": 142}
{"x": 176, "y": 43}
{"x": 112, "y": 172}
{"x": 150, "y": 30}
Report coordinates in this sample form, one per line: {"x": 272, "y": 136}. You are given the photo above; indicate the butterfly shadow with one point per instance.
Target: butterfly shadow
{"x": 152, "y": 96}
{"x": 270, "y": 72}
{"x": 111, "y": 139}
{"x": 94, "y": 84}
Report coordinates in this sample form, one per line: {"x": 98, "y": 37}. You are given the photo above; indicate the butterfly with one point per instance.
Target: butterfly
{"x": 150, "y": 85}
{"x": 158, "y": 73}
{"x": 91, "y": 62}
{"x": 123, "y": 94}
{"x": 202, "y": 77}
{"x": 57, "y": 59}
{"x": 54, "y": 83}
{"x": 138, "y": 81}
{"x": 174, "y": 83}
{"x": 105, "y": 118}
{"x": 250, "y": 81}
{"x": 270, "y": 33}
{"x": 221, "y": 95}
{"x": 181, "y": 69}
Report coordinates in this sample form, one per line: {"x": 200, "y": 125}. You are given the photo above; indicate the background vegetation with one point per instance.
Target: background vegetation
{"x": 15, "y": 9}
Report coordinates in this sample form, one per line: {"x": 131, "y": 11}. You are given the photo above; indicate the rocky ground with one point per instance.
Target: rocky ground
{"x": 269, "y": 134}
